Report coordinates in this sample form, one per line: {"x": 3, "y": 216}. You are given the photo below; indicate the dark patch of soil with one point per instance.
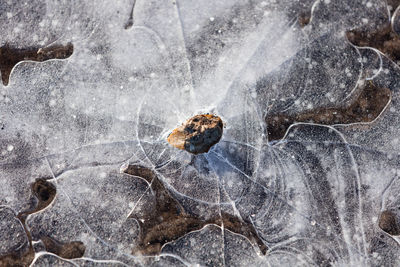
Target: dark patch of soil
{"x": 168, "y": 221}
{"x": 389, "y": 223}
{"x": 366, "y": 108}
{"x": 44, "y": 192}
{"x": 304, "y": 18}
{"x": 10, "y": 56}
{"x": 70, "y": 250}
{"x": 393, "y": 5}
{"x": 385, "y": 40}
{"x": 17, "y": 259}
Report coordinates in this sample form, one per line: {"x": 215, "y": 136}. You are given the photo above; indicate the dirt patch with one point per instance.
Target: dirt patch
{"x": 366, "y": 108}
{"x": 168, "y": 221}
{"x": 10, "y": 56}
{"x": 389, "y": 223}
{"x": 70, "y": 250}
{"x": 43, "y": 193}
{"x": 385, "y": 40}
{"x": 304, "y": 18}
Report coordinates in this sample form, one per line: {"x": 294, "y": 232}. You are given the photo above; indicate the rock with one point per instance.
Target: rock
{"x": 198, "y": 134}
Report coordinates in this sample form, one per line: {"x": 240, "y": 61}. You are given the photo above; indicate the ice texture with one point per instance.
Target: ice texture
{"x": 138, "y": 70}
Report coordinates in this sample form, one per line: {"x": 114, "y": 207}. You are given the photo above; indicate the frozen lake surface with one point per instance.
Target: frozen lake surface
{"x": 307, "y": 172}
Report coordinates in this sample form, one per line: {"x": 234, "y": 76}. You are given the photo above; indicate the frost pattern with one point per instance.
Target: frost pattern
{"x": 314, "y": 197}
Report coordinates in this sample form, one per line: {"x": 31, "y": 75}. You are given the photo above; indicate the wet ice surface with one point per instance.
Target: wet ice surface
{"x": 314, "y": 196}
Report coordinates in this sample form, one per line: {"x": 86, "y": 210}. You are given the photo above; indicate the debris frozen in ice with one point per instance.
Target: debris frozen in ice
{"x": 198, "y": 134}
{"x": 9, "y": 56}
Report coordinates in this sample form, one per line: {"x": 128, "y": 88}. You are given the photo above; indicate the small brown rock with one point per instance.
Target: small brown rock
{"x": 198, "y": 134}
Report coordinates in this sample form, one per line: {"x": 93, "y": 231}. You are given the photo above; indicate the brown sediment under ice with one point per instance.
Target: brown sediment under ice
{"x": 198, "y": 134}
{"x": 44, "y": 192}
{"x": 389, "y": 223}
{"x": 366, "y": 108}
{"x": 69, "y": 250}
{"x": 384, "y": 39}
{"x": 10, "y": 56}
{"x": 168, "y": 221}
